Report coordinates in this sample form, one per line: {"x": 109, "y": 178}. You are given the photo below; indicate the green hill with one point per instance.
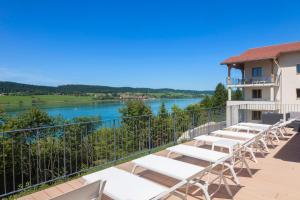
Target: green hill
{"x": 13, "y": 88}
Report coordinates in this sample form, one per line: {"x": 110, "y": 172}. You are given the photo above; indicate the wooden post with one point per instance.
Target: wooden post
{"x": 272, "y": 71}
{"x": 228, "y": 74}
{"x": 243, "y": 71}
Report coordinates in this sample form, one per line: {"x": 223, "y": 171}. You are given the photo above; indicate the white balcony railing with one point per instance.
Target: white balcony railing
{"x": 251, "y": 81}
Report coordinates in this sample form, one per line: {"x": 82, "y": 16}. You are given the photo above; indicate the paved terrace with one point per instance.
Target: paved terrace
{"x": 275, "y": 177}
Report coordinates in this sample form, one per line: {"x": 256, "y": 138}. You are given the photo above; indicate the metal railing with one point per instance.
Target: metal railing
{"x": 251, "y": 81}
{"x": 243, "y": 112}
{"x": 35, "y": 156}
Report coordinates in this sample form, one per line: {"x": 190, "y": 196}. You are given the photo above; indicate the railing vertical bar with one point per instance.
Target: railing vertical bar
{"x": 51, "y": 158}
{"x": 21, "y": 159}
{"x": 81, "y": 149}
{"x": 37, "y": 157}
{"x": 64, "y": 141}
{"x": 29, "y": 158}
{"x": 76, "y": 151}
{"x": 115, "y": 148}
{"x": 174, "y": 129}
{"x": 13, "y": 164}
{"x": 86, "y": 146}
{"x": 92, "y": 147}
{"x": 149, "y": 134}
{"x": 4, "y": 163}
{"x": 97, "y": 145}
{"x": 45, "y": 175}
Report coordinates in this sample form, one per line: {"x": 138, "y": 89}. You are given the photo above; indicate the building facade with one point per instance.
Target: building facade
{"x": 270, "y": 82}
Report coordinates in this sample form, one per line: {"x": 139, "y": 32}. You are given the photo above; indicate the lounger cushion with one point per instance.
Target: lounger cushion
{"x": 212, "y": 139}
{"x": 124, "y": 185}
{"x": 199, "y": 153}
{"x": 169, "y": 167}
{"x": 233, "y": 134}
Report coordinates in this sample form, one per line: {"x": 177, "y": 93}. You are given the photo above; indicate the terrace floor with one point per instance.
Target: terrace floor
{"x": 275, "y": 177}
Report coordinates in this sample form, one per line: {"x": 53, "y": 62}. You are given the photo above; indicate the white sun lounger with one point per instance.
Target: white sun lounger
{"x": 276, "y": 130}
{"x": 210, "y": 140}
{"x": 234, "y": 135}
{"x": 214, "y": 157}
{"x": 280, "y": 128}
{"x": 185, "y": 172}
{"x": 254, "y": 125}
{"x": 253, "y": 129}
{"x": 91, "y": 191}
{"x": 122, "y": 185}
{"x": 243, "y": 136}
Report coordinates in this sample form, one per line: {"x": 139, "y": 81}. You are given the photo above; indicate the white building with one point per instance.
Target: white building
{"x": 270, "y": 81}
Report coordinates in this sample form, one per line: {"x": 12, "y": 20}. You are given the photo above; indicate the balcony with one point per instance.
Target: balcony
{"x": 249, "y": 82}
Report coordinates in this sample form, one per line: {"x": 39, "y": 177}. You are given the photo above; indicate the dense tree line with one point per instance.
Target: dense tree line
{"x": 26, "y": 89}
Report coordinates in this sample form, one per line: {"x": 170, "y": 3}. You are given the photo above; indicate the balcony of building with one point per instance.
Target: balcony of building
{"x": 264, "y": 81}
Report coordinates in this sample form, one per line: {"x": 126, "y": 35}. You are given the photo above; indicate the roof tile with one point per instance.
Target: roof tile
{"x": 262, "y": 53}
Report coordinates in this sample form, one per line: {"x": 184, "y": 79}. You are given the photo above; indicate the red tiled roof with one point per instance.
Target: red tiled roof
{"x": 262, "y": 53}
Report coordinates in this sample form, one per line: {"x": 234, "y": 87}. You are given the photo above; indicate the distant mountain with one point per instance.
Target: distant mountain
{"x": 27, "y": 89}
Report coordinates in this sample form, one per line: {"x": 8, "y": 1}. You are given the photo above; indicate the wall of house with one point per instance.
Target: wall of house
{"x": 265, "y": 93}
{"x": 265, "y": 64}
{"x": 290, "y": 80}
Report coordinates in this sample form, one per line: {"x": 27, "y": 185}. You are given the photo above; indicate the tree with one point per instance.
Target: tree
{"x": 30, "y": 119}
{"x": 135, "y": 108}
{"x": 220, "y": 96}
{"x": 206, "y": 101}
{"x": 163, "y": 112}
{"x": 237, "y": 95}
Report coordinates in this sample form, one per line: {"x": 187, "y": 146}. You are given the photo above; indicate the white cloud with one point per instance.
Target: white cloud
{"x": 8, "y": 74}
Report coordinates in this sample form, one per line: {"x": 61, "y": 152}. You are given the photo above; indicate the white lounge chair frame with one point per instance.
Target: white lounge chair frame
{"x": 258, "y": 140}
{"x": 192, "y": 174}
{"x": 210, "y": 139}
{"x": 194, "y": 152}
{"x": 123, "y": 185}
{"x": 254, "y": 130}
{"x": 90, "y": 191}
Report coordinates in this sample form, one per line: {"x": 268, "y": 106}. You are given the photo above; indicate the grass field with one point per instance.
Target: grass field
{"x": 43, "y": 99}
{"x": 12, "y": 103}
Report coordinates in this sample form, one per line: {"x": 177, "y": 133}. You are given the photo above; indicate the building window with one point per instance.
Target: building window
{"x": 256, "y": 115}
{"x": 256, "y": 94}
{"x": 298, "y": 93}
{"x": 298, "y": 69}
{"x": 257, "y": 72}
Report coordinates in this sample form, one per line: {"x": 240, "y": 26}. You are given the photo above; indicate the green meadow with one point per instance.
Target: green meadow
{"x": 16, "y": 101}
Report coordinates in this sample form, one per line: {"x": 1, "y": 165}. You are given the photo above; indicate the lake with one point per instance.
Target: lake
{"x": 110, "y": 110}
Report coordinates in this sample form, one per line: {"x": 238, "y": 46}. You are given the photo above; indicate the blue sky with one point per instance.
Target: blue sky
{"x": 157, "y": 44}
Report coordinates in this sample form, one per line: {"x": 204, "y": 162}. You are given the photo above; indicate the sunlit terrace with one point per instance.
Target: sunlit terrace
{"x": 81, "y": 152}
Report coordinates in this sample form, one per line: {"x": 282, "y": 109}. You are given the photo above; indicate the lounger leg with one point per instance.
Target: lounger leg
{"x": 281, "y": 133}
{"x": 226, "y": 185}
{"x": 247, "y": 166}
{"x": 275, "y": 135}
{"x": 204, "y": 188}
{"x": 251, "y": 153}
{"x": 133, "y": 169}
{"x": 230, "y": 167}
{"x": 264, "y": 145}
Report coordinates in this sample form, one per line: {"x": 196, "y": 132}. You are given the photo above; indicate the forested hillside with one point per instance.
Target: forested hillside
{"x": 26, "y": 89}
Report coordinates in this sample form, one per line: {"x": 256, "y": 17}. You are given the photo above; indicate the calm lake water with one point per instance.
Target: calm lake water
{"x": 111, "y": 110}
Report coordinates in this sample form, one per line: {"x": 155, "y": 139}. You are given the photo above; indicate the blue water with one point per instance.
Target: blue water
{"x": 111, "y": 110}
